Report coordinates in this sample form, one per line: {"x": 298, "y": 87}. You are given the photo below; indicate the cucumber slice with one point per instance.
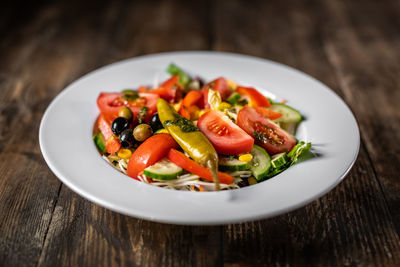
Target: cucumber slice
{"x": 279, "y": 160}
{"x": 232, "y": 165}
{"x": 290, "y": 117}
{"x": 289, "y": 114}
{"x": 261, "y": 163}
{"x": 98, "y": 140}
{"x": 163, "y": 170}
{"x": 233, "y": 99}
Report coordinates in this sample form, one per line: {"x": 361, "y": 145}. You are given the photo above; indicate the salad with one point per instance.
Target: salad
{"x": 189, "y": 135}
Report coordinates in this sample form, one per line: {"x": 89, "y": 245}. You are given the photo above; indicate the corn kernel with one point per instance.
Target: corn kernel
{"x": 201, "y": 112}
{"x": 177, "y": 106}
{"x": 124, "y": 153}
{"x": 250, "y": 104}
{"x": 224, "y": 105}
{"x": 246, "y": 158}
{"x": 231, "y": 84}
{"x": 252, "y": 180}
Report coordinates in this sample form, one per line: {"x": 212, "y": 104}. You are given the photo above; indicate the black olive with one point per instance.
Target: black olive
{"x": 243, "y": 183}
{"x": 155, "y": 123}
{"x": 119, "y": 125}
{"x": 126, "y": 138}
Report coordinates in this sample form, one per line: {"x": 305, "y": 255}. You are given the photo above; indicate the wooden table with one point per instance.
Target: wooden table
{"x": 352, "y": 46}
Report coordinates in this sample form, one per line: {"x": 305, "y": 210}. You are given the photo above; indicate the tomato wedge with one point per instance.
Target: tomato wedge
{"x": 112, "y": 144}
{"x": 186, "y": 163}
{"x": 267, "y": 113}
{"x": 226, "y": 137}
{"x": 256, "y": 97}
{"x": 266, "y": 133}
{"x": 110, "y": 104}
{"x": 149, "y": 152}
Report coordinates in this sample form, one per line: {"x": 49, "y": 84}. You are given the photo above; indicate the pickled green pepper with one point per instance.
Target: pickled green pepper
{"x": 189, "y": 137}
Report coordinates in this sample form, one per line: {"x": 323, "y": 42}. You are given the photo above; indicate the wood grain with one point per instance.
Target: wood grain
{"x": 351, "y": 46}
{"x": 345, "y": 213}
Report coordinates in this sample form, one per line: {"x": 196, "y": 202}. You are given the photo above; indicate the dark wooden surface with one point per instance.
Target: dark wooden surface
{"x": 352, "y": 46}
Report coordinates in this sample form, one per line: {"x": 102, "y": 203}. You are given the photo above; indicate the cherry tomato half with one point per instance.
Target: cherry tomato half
{"x": 266, "y": 133}
{"x": 110, "y": 104}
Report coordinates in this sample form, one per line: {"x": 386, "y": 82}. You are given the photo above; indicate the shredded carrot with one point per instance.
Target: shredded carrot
{"x": 201, "y": 188}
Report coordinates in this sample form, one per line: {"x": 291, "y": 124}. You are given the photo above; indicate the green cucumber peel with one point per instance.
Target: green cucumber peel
{"x": 98, "y": 141}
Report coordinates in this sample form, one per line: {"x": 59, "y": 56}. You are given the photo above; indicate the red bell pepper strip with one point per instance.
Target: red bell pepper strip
{"x": 256, "y": 97}
{"x": 167, "y": 89}
{"x": 184, "y": 112}
{"x": 150, "y": 152}
{"x": 186, "y": 163}
{"x": 192, "y": 98}
{"x": 267, "y": 113}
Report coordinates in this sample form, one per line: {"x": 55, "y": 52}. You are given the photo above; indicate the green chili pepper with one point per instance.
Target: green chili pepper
{"x": 190, "y": 139}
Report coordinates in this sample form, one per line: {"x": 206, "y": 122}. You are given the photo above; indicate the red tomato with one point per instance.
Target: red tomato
{"x": 266, "y": 133}
{"x": 150, "y": 152}
{"x": 256, "y": 97}
{"x": 112, "y": 144}
{"x": 104, "y": 127}
{"x": 226, "y": 136}
{"x": 186, "y": 163}
{"x": 220, "y": 85}
{"x": 204, "y": 90}
{"x": 110, "y": 104}
{"x": 267, "y": 113}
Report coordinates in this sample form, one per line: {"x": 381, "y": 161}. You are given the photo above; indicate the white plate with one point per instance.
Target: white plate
{"x": 66, "y": 142}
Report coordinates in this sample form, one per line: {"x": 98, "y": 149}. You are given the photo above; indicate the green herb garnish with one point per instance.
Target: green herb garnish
{"x": 242, "y": 102}
{"x": 186, "y": 125}
{"x": 129, "y": 94}
{"x": 142, "y": 114}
